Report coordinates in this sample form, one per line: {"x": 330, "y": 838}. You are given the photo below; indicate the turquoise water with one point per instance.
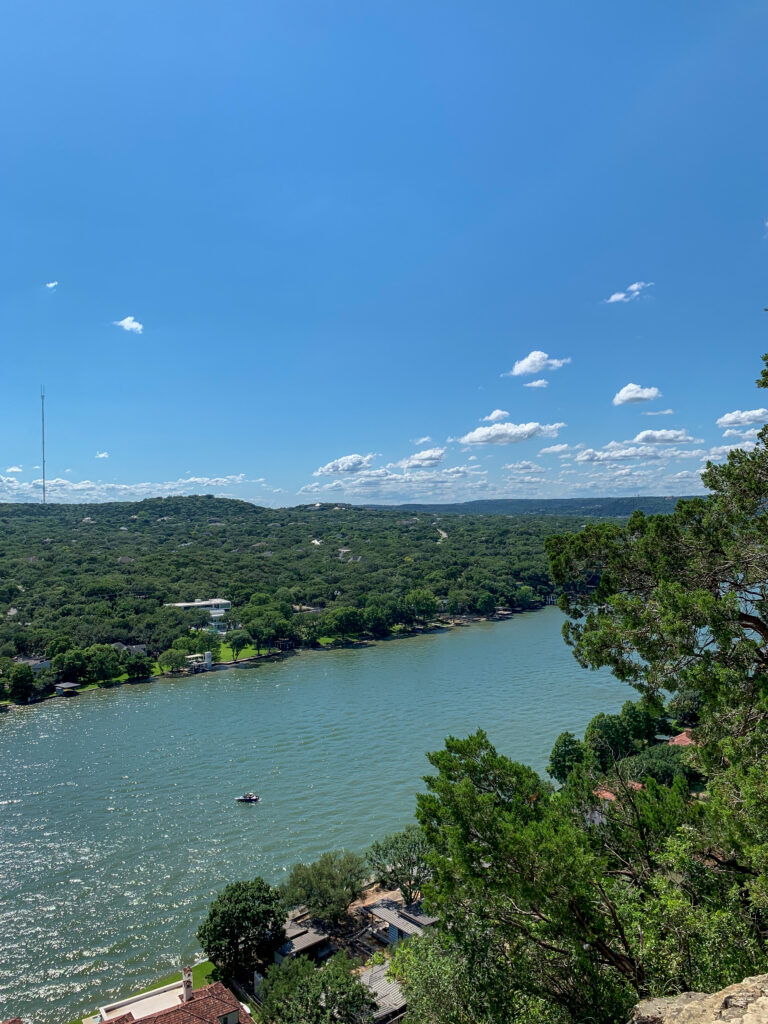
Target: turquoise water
{"x": 117, "y": 813}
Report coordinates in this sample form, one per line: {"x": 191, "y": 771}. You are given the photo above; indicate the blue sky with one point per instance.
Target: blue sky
{"x": 301, "y": 248}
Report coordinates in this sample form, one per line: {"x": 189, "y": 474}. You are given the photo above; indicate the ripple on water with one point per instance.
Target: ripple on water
{"x": 117, "y": 814}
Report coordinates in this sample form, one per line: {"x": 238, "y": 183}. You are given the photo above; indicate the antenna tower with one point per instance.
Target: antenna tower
{"x": 42, "y": 424}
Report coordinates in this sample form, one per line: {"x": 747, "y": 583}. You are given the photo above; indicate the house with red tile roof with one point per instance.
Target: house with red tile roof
{"x": 178, "y": 1003}
{"x": 683, "y": 739}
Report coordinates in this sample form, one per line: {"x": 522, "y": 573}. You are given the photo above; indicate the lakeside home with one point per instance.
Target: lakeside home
{"x": 217, "y": 608}
{"x": 177, "y": 1003}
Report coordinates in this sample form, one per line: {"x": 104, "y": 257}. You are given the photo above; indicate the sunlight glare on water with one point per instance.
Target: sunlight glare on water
{"x": 117, "y": 815}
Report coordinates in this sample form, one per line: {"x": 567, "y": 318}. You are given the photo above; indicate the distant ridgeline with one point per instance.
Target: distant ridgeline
{"x": 600, "y": 507}
{"x": 100, "y": 574}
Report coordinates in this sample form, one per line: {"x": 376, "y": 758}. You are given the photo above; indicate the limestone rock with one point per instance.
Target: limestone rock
{"x": 744, "y": 1003}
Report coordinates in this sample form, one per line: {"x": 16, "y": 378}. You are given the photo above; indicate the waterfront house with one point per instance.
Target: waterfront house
{"x": 36, "y": 664}
{"x": 393, "y": 921}
{"x": 217, "y": 608}
{"x": 302, "y": 939}
{"x": 390, "y": 1001}
{"x": 177, "y": 1003}
{"x": 130, "y": 648}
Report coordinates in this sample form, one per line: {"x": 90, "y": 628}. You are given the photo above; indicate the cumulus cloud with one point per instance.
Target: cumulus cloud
{"x": 384, "y": 483}
{"x": 496, "y": 415}
{"x": 50, "y": 285}
{"x": 13, "y": 469}
{"x": 129, "y": 323}
{"x": 101, "y": 455}
{"x": 746, "y": 435}
{"x": 632, "y": 292}
{"x": 721, "y": 450}
{"x": 346, "y": 464}
{"x": 421, "y": 440}
{"x": 422, "y": 460}
{"x": 554, "y": 449}
{"x": 535, "y": 362}
{"x": 66, "y": 491}
{"x": 635, "y": 393}
{"x": 524, "y": 466}
{"x": 662, "y": 437}
{"x": 540, "y": 383}
{"x": 510, "y": 433}
{"x": 658, "y": 412}
{"x": 746, "y": 418}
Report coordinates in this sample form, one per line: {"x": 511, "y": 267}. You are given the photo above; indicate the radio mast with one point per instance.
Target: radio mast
{"x": 42, "y": 424}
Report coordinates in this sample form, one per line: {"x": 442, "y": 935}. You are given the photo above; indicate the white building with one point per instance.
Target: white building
{"x": 217, "y": 608}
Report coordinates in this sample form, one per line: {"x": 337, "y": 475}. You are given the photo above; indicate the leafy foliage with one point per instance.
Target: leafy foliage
{"x": 400, "y": 862}
{"x": 296, "y": 992}
{"x": 328, "y": 885}
{"x": 244, "y": 926}
{"x": 72, "y": 576}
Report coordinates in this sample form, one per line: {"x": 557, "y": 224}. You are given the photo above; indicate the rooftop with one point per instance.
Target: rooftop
{"x": 683, "y": 739}
{"x": 301, "y": 937}
{"x": 213, "y": 1004}
{"x": 387, "y": 993}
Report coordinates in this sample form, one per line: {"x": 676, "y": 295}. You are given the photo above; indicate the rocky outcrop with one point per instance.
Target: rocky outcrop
{"x": 745, "y": 1003}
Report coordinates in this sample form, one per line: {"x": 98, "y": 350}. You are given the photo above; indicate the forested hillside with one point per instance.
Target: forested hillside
{"x": 600, "y": 507}
{"x": 96, "y": 574}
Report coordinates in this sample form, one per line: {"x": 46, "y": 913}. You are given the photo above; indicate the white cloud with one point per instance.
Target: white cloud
{"x": 422, "y": 460}
{"x": 421, "y": 440}
{"x": 346, "y": 464}
{"x": 101, "y": 455}
{"x": 540, "y": 383}
{"x": 510, "y": 433}
{"x": 632, "y": 292}
{"x": 662, "y": 437}
{"x": 68, "y": 491}
{"x": 496, "y": 415}
{"x": 746, "y": 435}
{"x": 535, "y": 362}
{"x": 554, "y": 449}
{"x": 658, "y": 412}
{"x": 616, "y": 451}
{"x": 14, "y": 469}
{"x": 50, "y": 285}
{"x": 721, "y": 450}
{"x": 737, "y": 418}
{"x": 129, "y": 323}
{"x": 635, "y": 393}
{"x": 524, "y": 466}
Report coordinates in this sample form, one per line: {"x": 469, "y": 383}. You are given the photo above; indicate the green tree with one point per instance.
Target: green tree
{"x": 328, "y": 885}
{"x": 244, "y": 927}
{"x": 137, "y": 666}
{"x": 103, "y": 663}
{"x": 296, "y": 992}
{"x": 172, "y": 660}
{"x": 71, "y": 666}
{"x": 399, "y": 861}
{"x": 551, "y": 895}
{"x": 608, "y": 737}
{"x": 21, "y": 683}
{"x": 566, "y": 753}
{"x": 238, "y": 640}
{"x": 422, "y": 603}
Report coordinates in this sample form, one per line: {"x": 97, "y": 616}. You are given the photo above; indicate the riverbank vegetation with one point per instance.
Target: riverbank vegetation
{"x": 646, "y": 872}
{"x": 76, "y": 579}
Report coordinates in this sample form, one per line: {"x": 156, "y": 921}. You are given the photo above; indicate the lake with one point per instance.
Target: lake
{"x": 117, "y": 815}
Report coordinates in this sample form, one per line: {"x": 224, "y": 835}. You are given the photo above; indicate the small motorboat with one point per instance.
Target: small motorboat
{"x": 248, "y": 798}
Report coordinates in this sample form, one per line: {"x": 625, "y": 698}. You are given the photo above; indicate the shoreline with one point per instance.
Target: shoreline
{"x": 437, "y": 626}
